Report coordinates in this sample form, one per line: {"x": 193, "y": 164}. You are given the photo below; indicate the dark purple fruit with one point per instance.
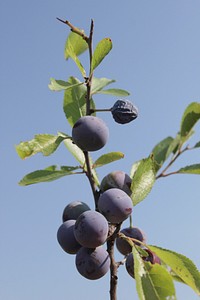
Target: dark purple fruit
{"x": 90, "y": 133}
{"x": 116, "y": 179}
{"x": 124, "y": 111}
{"x": 133, "y": 232}
{"x": 91, "y": 229}
{"x": 152, "y": 257}
{"x": 130, "y": 265}
{"x": 73, "y": 210}
{"x": 92, "y": 263}
{"x": 66, "y": 238}
{"x": 115, "y": 205}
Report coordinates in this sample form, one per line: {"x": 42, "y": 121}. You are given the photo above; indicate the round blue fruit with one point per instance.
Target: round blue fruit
{"x": 92, "y": 263}
{"x": 133, "y": 232}
{"x": 73, "y": 210}
{"x": 116, "y": 179}
{"x": 66, "y": 238}
{"x": 115, "y": 205}
{"x": 90, "y": 133}
{"x": 91, "y": 229}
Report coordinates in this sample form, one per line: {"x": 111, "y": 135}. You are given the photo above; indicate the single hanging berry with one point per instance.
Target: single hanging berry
{"x": 123, "y": 111}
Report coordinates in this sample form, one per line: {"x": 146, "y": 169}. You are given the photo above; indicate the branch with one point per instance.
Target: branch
{"x": 113, "y": 264}
{"x": 74, "y": 29}
{"x": 174, "y": 158}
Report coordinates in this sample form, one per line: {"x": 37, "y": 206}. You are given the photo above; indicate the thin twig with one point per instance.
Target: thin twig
{"x": 74, "y": 29}
{"x": 174, "y": 158}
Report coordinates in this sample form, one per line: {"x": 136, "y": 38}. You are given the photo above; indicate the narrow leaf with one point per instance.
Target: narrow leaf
{"x": 107, "y": 158}
{"x": 192, "y": 169}
{"x": 161, "y": 153}
{"x": 182, "y": 266}
{"x": 134, "y": 168}
{"x": 75, "y": 151}
{"x": 197, "y": 145}
{"x": 143, "y": 180}
{"x": 59, "y": 85}
{"x": 46, "y": 175}
{"x": 190, "y": 117}
{"x": 71, "y": 52}
{"x": 77, "y": 42}
{"x": 79, "y": 156}
{"x": 44, "y": 143}
{"x": 101, "y": 50}
{"x": 99, "y": 83}
{"x": 153, "y": 282}
{"x": 115, "y": 92}
{"x": 74, "y": 101}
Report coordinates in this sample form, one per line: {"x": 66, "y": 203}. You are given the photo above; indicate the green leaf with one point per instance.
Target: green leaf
{"x": 107, "y": 158}
{"x": 115, "y": 92}
{"x": 143, "y": 179}
{"x": 47, "y": 175}
{"x": 76, "y": 42}
{"x": 59, "y": 85}
{"x": 153, "y": 282}
{"x": 197, "y": 145}
{"x": 44, "y": 143}
{"x": 74, "y": 104}
{"x": 161, "y": 151}
{"x": 72, "y": 54}
{"x": 182, "y": 266}
{"x": 190, "y": 117}
{"x": 101, "y": 50}
{"x": 75, "y": 151}
{"x": 99, "y": 83}
{"x": 175, "y": 144}
{"x": 134, "y": 168}
{"x": 79, "y": 156}
{"x": 192, "y": 169}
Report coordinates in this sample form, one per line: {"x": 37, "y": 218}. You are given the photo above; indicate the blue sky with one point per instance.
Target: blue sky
{"x": 155, "y": 56}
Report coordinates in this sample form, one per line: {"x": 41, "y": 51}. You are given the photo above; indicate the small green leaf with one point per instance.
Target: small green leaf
{"x": 101, "y": 50}
{"x": 99, "y": 83}
{"x": 59, "y": 85}
{"x": 79, "y": 156}
{"x": 115, "y": 92}
{"x": 75, "y": 151}
{"x": 74, "y": 101}
{"x": 175, "y": 144}
{"x": 71, "y": 52}
{"x": 190, "y": 117}
{"x": 192, "y": 169}
{"x": 47, "y": 175}
{"x": 44, "y": 143}
{"x": 153, "y": 282}
{"x": 197, "y": 145}
{"x": 143, "y": 179}
{"x": 134, "y": 168}
{"x": 78, "y": 44}
{"x": 182, "y": 266}
{"x": 161, "y": 151}
{"x": 107, "y": 158}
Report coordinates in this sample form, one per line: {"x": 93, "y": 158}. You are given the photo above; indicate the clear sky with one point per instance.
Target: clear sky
{"x": 155, "y": 56}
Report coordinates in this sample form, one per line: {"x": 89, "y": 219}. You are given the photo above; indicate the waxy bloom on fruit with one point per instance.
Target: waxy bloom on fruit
{"x": 90, "y": 133}
{"x": 115, "y": 205}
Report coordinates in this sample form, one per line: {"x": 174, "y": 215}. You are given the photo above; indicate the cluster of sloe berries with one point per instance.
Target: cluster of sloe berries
{"x": 84, "y": 231}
